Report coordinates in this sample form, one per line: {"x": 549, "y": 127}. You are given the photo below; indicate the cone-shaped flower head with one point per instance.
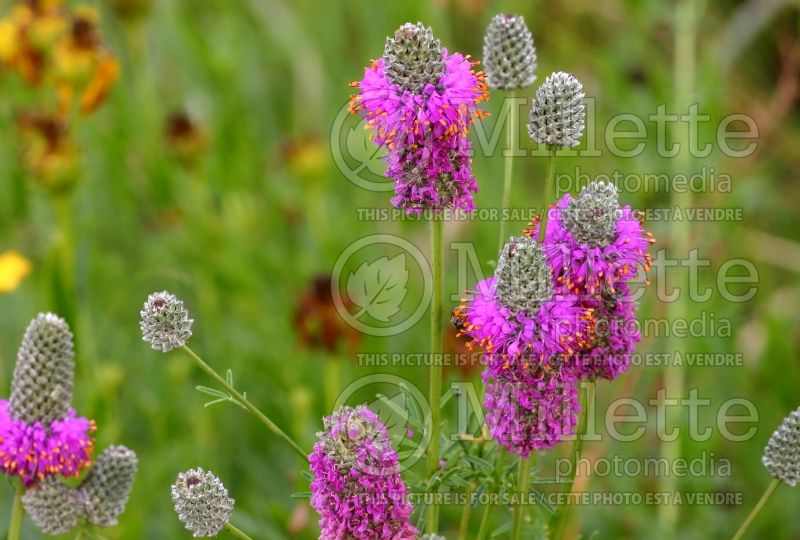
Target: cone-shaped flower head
{"x": 419, "y": 101}
{"x": 413, "y": 58}
{"x": 558, "y": 115}
{"x": 523, "y": 277}
{"x": 592, "y": 216}
{"x": 357, "y": 488}
{"x": 509, "y": 56}
{"x": 782, "y": 453}
{"x": 41, "y": 389}
{"x": 201, "y": 502}
{"x": 165, "y": 322}
{"x": 53, "y": 506}
{"x": 40, "y": 435}
{"x": 105, "y": 489}
{"x": 594, "y": 244}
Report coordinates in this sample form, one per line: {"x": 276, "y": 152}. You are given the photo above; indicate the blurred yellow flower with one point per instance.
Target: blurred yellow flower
{"x": 13, "y": 268}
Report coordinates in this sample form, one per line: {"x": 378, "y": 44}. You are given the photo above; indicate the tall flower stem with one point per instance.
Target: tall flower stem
{"x": 484, "y": 526}
{"x": 764, "y": 498}
{"x": 587, "y": 398}
{"x": 523, "y": 480}
{"x": 548, "y": 191}
{"x": 508, "y": 164}
{"x": 244, "y": 402}
{"x": 17, "y": 513}
{"x": 236, "y": 532}
{"x": 463, "y": 527}
{"x": 674, "y": 379}
{"x": 435, "y": 392}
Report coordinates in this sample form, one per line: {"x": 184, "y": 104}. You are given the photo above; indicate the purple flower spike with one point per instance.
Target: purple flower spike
{"x": 357, "y": 489}
{"x": 421, "y": 111}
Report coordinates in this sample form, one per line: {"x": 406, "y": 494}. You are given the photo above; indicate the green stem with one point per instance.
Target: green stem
{"x": 17, "y": 513}
{"x": 523, "y": 478}
{"x": 435, "y": 393}
{"x": 548, "y": 191}
{"x": 508, "y": 163}
{"x": 764, "y": 498}
{"x": 463, "y": 527}
{"x": 244, "y": 402}
{"x": 586, "y": 400}
{"x": 684, "y": 68}
{"x": 236, "y": 532}
{"x": 484, "y": 527}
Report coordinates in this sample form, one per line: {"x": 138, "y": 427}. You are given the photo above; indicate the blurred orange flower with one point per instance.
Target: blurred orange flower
{"x": 13, "y": 269}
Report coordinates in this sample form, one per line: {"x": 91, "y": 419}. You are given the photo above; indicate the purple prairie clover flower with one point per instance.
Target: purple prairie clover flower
{"x": 419, "y": 101}
{"x": 518, "y": 318}
{"x": 357, "y": 488}
{"x": 527, "y": 416}
{"x": 40, "y": 434}
{"x": 594, "y": 244}
{"x": 613, "y": 340}
{"x": 34, "y": 451}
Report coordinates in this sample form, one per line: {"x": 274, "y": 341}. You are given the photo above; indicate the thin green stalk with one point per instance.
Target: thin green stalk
{"x": 244, "y": 402}
{"x": 236, "y": 532}
{"x": 463, "y": 527}
{"x": 523, "y": 479}
{"x": 435, "y": 393}
{"x": 674, "y": 379}
{"x": 764, "y": 498}
{"x": 548, "y": 191}
{"x": 562, "y": 517}
{"x": 484, "y": 527}
{"x": 508, "y": 164}
{"x": 17, "y": 513}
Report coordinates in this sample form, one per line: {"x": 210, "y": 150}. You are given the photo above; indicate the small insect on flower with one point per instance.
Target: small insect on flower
{"x": 165, "y": 322}
{"x": 201, "y": 502}
{"x": 457, "y": 319}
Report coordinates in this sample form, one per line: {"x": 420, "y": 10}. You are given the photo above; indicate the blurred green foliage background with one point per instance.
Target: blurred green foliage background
{"x": 240, "y": 219}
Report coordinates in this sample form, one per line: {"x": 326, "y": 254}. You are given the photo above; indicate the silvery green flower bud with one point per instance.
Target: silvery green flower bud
{"x": 523, "y": 280}
{"x": 592, "y": 216}
{"x": 105, "y": 489}
{"x": 41, "y": 388}
{"x": 53, "y": 506}
{"x": 509, "y": 57}
{"x": 413, "y": 57}
{"x": 431, "y": 536}
{"x": 782, "y": 453}
{"x": 165, "y": 322}
{"x": 558, "y": 114}
{"x": 201, "y": 502}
